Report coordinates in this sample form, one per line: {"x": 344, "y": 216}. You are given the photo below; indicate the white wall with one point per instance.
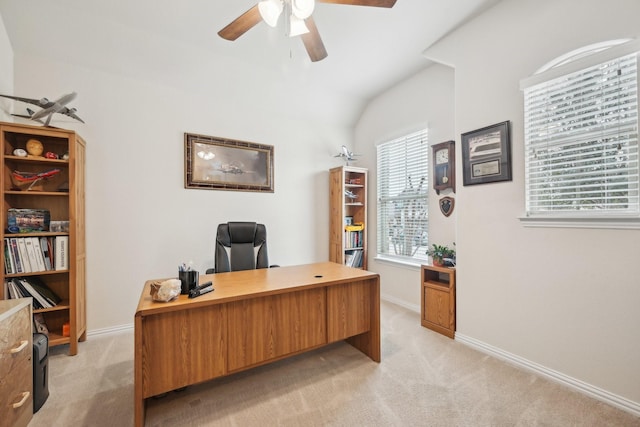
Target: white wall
{"x": 141, "y": 222}
{"x": 566, "y": 299}
{"x": 6, "y": 72}
{"x": 424, "y": 100}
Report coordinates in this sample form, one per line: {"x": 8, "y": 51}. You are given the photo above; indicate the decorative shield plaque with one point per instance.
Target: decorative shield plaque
{"x": 446, "y": 205}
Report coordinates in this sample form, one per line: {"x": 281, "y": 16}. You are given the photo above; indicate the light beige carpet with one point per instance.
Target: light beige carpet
{"x": 425, "y": 379}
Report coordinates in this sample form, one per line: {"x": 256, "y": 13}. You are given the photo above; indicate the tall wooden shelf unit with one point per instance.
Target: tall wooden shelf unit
{"x": 348, "y": 198}
{"x": 64, "y": 205}
{"x": 438, "y": 308}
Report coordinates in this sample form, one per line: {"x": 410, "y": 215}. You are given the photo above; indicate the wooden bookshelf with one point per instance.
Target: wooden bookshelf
{"x": 348, "y": 199}
{"x": 64, "y": 197}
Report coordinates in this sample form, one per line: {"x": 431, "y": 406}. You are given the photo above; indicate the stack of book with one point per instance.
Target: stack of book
{"x": 35, "y": 254}
{"x": 353, "y": 236}
{"x": 353, "y": 258}
{"x": 21, "y": 287}
{"x": 352, "y": 239}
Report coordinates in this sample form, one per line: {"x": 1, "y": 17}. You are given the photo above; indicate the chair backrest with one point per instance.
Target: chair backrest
{"x": 241, "y": 246}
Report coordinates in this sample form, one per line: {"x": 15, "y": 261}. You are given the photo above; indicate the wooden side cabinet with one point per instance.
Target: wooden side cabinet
{"x": 438, "y": 299}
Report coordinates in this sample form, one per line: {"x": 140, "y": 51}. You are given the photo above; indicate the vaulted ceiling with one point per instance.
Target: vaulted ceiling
{"x": 176, "y": 43}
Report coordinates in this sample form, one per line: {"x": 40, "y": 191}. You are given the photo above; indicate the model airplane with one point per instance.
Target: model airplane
{"x": 49, "y": 108}
{"x": 347, "y": 155}
{"x": 350, "y": 194}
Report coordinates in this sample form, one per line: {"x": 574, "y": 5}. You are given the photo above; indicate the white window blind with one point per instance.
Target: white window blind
{"x": 581, "y": 142}
{"x": 402, "y": 176}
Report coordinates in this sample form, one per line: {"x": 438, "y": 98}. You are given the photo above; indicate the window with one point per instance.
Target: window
{"x": 403, "y": 170}
{"x": 581, "y": 138}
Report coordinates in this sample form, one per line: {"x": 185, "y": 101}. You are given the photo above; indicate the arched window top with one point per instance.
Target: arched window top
{"x": 580, "y": 53}
{"x": 581, "y": 58}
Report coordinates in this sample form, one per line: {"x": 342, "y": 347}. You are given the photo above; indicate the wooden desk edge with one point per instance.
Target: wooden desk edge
{"x": 147, "y": 306}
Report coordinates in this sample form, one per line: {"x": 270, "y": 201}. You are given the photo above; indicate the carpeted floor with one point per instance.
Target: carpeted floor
{"x": 425, "y": 379}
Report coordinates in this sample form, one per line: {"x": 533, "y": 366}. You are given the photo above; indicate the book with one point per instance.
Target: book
{"x": 9, "y": 265}
{"x": 31, "y": 253}
{"x": 24, "y": 256}
{"x": 16, "y": 255}
{"x": 348, "y": 259}
{"x": 50, "y": 244}
{"x": 24, "y": 292}
{"x": 37, "y": 249}
{"x": 44, "y": 246}
{"x": 14, "y": 292}
{"x": 61, "y": 256}
{"x": 38, "y": 300}
{"x": 44, "y": 290}
{"x": 358, "y": 259}
{"x": 8, "y": 289}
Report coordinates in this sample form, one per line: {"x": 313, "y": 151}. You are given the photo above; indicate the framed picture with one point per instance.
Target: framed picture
{"x": 225, "y": 164}
{"x": 486, "y": 154}
{"x": 348, "y": 220}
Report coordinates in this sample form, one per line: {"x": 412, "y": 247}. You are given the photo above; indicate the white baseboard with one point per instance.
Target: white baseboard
{"x": 401, "y": 303}
{"x": 581, "y": 386}
{"x": 111, "y": 330}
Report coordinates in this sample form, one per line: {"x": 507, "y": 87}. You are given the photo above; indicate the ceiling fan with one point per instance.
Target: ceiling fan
{"x": 298, "y": 20}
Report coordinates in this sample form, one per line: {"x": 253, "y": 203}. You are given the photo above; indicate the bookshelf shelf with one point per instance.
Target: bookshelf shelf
{"x": 26, "y": 160}
{"x": 348, "y": 200}
{"x": 63, "y": 305}
{"x": 37, "y": 234}
{"x": 40, "y": 194}
{"x": 37, "y": 273}
{"x": 57, "y": 339}
{"x": 62, "y": 194}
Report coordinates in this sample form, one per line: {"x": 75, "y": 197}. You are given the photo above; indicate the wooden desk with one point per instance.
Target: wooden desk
{"x": 252, "y": 318}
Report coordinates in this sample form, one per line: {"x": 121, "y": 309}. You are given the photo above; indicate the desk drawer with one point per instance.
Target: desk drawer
{"x": 16, "y": 369}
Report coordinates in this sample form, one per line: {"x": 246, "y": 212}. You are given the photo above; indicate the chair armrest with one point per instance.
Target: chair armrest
{"x": 274, "y": 265}
{"x": 210, "y": 271}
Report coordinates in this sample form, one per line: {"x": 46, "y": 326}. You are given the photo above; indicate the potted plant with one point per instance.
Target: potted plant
{"x": 439, "y": 252}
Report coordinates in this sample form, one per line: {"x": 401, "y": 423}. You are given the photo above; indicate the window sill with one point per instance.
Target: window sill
{"x": 619, "y": 223}
{"x": 413, "y": 265}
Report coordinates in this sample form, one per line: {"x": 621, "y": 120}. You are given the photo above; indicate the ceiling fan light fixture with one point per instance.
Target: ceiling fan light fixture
{"x": 302, "y": 9}
{"x": 297, "y": 27}
{"x": 270, "y": 11}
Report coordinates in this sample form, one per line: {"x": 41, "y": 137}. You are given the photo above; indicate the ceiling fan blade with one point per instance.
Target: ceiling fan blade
{"x": 313, "y": 42}
{"x": 241, "y": 24}
{"x": 374, "y": 3}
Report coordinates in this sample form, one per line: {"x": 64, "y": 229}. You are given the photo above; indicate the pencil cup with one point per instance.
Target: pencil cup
{"x": 188, "y": 281}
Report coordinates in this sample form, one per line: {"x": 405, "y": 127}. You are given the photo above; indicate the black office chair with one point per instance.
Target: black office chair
{"x": 240, "y": 246}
